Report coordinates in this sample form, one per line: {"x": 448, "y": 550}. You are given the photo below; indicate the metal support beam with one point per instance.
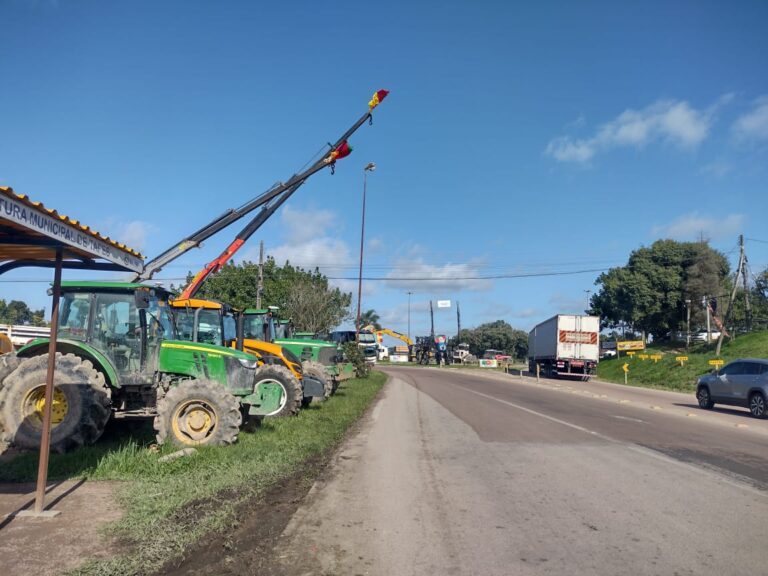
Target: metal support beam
{"x": 45, "y": 441}
{"x": 69, "y": 265}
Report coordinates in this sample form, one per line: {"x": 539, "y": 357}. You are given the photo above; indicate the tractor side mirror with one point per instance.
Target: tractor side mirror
{"x": 141, "y": 298}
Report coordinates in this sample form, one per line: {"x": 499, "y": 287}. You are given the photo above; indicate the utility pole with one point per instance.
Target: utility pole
{"x": 741, "y": 268}
{"x": 432, "y": 322}
{"x": 260, "y": 285}
{"x": 747, "y": 308}
{"x": 458, "y": 322}
{"x": 409, "y": 313}
{"x": 705, "y": 303}
{"x": 688, "y": 322}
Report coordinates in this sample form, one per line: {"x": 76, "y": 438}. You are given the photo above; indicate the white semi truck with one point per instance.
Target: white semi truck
{"x": 565, "y": 344}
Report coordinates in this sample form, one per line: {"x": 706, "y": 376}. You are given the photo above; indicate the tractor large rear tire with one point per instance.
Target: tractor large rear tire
{"x": 81, "y": 403}
{"x": 8, "y": 363}
{"x": 292, "y": 390}
{"x": 317, "y": 370}
{"x": 198, "y": 413}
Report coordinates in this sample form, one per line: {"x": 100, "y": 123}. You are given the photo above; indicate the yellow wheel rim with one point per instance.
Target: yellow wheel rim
{"x": 194, "y": 422}
{"x": 34, "y": 404}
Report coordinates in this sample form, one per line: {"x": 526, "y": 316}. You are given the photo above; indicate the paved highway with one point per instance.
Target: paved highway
{"x": 461, "y": 473}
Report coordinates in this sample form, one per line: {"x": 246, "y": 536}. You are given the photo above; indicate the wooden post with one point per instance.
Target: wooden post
{"x": 45, "y": 441}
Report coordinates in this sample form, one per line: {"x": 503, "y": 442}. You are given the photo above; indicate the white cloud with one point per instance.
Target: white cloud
{"x": 308, "y": 242}
{"x": 525, "y": 313}
{"x": 754, "y": 124}
{"x": 672, "y": 121}
{"x": 408, "y": 274}
{"x": 375, "y": 245}
{"x": 693, "y": 226}
{"x": 566, "y": 149}
{"x": 717, "y": 168}
{"x": 304, "y": 225}
{"x": 133, "y": 233}
{"x": 396, "y": 317}
{"x": 568, "y": 304}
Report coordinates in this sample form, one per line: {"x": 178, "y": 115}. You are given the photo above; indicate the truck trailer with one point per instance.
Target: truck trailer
{"x": 565, "y": 345}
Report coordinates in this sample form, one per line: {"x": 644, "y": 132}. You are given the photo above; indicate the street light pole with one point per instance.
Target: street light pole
{"x": 370, "y": 167}
{"x": 587, "y": 291}
{"x": 688, "y": 320}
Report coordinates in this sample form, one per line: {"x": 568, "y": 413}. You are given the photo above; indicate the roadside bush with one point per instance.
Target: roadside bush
{"x": 354, "y": 354}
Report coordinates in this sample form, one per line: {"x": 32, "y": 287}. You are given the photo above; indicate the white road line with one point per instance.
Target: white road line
{"x": 628, "y": 418}
{"x": 539, "y": 414}
{"x": 745, "y": 484}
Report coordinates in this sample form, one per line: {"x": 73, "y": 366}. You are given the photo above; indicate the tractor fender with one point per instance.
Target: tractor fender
{"x": 81, "y": 349}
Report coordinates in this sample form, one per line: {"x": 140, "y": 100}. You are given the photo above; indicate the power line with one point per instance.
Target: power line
{"x": 387, "y": 278}
{"x": 455, "y": 278}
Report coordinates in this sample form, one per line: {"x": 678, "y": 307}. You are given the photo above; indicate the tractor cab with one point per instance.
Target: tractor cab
{"x": 201, "y": 319}
{"x": 125, "y": 322}
{"x": 205, "y": 321}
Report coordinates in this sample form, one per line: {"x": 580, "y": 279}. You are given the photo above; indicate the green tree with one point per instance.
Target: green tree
{"x": 649, "y": 293}
{"x": 18, "y": 312}
{"x": 303, "y": 296}
{"x": 369, "y": 317}
{"x": 498, "y": 335}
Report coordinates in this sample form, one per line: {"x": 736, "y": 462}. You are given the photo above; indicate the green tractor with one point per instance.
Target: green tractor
{"x": 320, "y": 357}
{"x": 118, "y": 353}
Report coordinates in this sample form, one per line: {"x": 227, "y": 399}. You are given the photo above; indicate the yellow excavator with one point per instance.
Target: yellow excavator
{"x": 388, "y": 332}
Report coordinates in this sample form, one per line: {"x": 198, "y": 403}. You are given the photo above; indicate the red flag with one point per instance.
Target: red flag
{"x": 342, "y": 151}
{"x": 377, "y": 98}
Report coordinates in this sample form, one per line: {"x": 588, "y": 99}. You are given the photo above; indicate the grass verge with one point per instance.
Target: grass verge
{"x": 170, "y": 506}
{"x": 667, "y": 374}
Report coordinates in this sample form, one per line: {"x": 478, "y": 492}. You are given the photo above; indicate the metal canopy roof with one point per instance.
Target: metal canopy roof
{"x": 30, "y": 235}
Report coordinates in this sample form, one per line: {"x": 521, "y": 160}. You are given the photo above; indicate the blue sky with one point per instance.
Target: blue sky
{"x": 518, "y": 137}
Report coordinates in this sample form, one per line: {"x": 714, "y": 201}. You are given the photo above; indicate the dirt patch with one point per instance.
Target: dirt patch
{"x": 26, "y": 544}
{"x": 255, "y": 545}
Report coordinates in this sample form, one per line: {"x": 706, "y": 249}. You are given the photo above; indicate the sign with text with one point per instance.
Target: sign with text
{"x": 631, "y": 353}
{"x": 643, "y": 356}
{"x": 716, "y": 362}
{"x": 486, "y": 363}
{"x": 443, "y": 303}
{"x": 38, "y": 221}
{"x": 656, "y": 357}
{"x": 624, "y": 345}
{"x": 576, "y": 337}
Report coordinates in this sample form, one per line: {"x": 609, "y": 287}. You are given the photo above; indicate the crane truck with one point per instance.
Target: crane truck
{"x": 120, "y": 353}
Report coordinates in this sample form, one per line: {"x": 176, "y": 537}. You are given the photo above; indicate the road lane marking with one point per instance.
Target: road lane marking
{"x": 746, "y": 484}
{"x": 535, "y": 413}
{"x": 628, "y": 418}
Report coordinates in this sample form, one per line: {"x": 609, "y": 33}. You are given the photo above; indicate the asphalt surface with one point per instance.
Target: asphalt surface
{"x": 457, "y": 472}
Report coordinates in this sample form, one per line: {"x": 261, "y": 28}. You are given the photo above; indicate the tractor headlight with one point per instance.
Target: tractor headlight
{"x": 249, "y": 363}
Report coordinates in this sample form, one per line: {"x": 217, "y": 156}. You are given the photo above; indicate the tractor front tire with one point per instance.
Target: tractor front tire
{"x": 198, "y": 413}
{"x": 317, "y": 370}
{"x": 292, "y": 394}
{"x": 81, "y": 403}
